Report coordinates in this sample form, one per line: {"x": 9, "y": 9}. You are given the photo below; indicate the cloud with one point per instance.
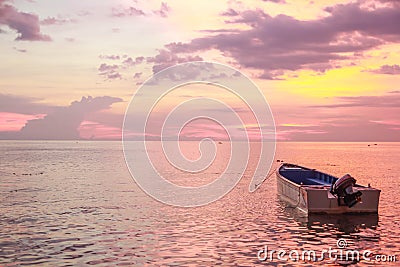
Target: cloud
{"x": 285, "y": 43}
{"x": 387, "y": 122}
{"x": 111, "y": 57}
{"x": 63, "y": 123}
{"x": 130, "y": 62}
{"x": 23, "y": 105}
{"x": 131, "y": 11}
{"x": 95, "y": 130}
{"x": 109, "y": 72}
{"x": 127, "y": 12}
{"x": 26, "y": 24}
{"x": 12, "y": 122}
{"x": 123, "y": 62}
{"x": 230, "y": 12}
{"x": 393, "y": 3}
{"x": 388, "y": 69}
{"x": 163, "y": 11}
{"x": 275, "y": 1}
{"x": 20, "y": 50}
{"x": 84, "y": 13}
{"x": 137, "y": 75}
{"x": 354, "y": 131}
{"x": 355, "y": 118}
{"x": 390, "y": 100}
{"x": 56, "y": 21}
{"x": 166, "y": 58}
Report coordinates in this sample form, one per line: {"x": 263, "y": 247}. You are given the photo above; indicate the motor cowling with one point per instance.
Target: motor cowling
{"x": 343, "y": 189}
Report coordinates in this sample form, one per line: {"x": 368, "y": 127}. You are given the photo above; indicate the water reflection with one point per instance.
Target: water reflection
{"x": 344, "y": 223}
{"x": 85, "y": 210}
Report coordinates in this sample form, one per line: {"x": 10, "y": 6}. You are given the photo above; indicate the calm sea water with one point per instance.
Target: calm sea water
{"x": 75, "y": 204}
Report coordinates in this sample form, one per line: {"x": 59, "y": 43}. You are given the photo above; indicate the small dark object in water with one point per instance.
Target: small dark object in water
{"x": 375, "y": 144}
{"x": 369, "y": 145}
{"x": 220, "y": 143}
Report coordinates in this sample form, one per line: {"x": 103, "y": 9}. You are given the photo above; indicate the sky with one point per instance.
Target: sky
{"x": 330, "y": 70}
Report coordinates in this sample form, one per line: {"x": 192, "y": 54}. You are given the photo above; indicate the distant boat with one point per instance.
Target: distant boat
{"x": 313, "y": 191}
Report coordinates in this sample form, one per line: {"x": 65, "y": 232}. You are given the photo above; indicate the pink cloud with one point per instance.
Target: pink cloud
{"x": 13, "y": 122}
{"x": 60, "y": 124}
{"x": 95, "y": 130}
{"x": 387, "y": 122}
{"x": 163, "y": 11}
{"x": 198, "y": 130}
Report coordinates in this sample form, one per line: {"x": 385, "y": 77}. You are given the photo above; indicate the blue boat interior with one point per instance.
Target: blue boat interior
{"x": 306, "y": 176}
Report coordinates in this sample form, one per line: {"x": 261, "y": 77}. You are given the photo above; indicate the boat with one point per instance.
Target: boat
{"x": 314, "y": 191}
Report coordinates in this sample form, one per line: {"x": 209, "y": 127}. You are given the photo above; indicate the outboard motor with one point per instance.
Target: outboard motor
{"x": 343, "y": 189}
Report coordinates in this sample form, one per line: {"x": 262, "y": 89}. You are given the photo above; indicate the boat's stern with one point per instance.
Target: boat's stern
{"x": 321, "y": 200}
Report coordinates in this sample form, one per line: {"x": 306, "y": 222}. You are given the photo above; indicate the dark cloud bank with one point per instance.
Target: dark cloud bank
{"x": 284, "y": 43}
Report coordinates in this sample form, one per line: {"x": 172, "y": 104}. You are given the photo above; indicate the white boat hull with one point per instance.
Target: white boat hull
{"x": 318, "y": 199}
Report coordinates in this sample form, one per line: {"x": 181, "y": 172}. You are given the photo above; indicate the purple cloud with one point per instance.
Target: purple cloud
{"x": 394, "y": 3}
{"x": 111, "y": 57}
{"x": 357, "y": 118}
{"x": 109, "y": 72}
{"x": 163, "y": 11}
{"x": 230, "y": 13}
{"x": 137, "y": 75}
{"x": 286, "y": 43}
{"x": 23, "y": 105}
{"x": 127, "y": 12}
{"x": 64, "y": 122}
{"x": 166, "y": 58}
{"x": 390, "y": 100}
{"x": 26, "y": 24}
{"x": 388, "y": 69}
{"x": 56, "y": 21}
{"x": 128, "y": 61}
{"x": 60, "y": 122}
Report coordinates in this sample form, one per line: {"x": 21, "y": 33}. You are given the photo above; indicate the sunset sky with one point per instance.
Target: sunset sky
{"x": 330, "y": 70}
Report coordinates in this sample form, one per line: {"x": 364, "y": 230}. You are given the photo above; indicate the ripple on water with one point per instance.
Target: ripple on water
{"x": 85, "y": 210}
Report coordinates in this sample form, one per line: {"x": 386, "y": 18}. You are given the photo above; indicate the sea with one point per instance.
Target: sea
{"x": 74, "y": 203}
